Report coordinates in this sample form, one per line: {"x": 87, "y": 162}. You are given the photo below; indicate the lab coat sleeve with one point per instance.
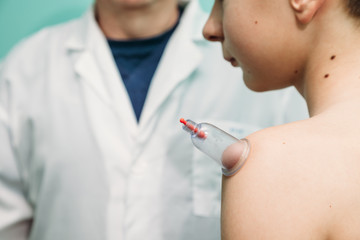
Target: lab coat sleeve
{"x": 15, "y": 211}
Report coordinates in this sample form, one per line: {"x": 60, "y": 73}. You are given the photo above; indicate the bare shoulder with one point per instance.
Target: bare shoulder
{"x": 294, "y": 185}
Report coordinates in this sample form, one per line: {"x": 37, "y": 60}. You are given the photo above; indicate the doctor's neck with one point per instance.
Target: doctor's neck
{"x": 129, "y": 21}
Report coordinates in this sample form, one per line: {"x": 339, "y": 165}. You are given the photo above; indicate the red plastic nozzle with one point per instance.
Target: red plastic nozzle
{"x": 183, "y": 121}
{"x": 200, "y": 134}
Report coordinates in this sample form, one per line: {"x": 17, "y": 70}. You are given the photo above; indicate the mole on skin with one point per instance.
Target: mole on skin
{"x": 331, "y": 58}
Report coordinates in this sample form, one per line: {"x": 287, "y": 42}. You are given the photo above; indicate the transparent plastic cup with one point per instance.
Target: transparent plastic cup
{"x": 229, "y": 152}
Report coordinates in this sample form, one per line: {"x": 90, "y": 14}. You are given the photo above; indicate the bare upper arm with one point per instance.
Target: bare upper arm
{"x": 277, "y": 193}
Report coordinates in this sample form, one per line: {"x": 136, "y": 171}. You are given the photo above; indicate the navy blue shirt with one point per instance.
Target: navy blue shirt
{"x": 137, "y": 61}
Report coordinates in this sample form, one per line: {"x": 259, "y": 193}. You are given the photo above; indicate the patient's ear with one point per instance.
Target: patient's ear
{"x": 305, "y": 10}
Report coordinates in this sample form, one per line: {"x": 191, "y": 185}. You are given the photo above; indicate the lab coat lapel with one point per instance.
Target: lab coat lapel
{"x": 97, "y": 69}
{"x": 88, "y": 71}
{"x": 120, "y": 100}
{"x": 113, "y": 123}
{"x": 85, "y": 64}
{"x": 180, "y": 59}
{"x": 108, "y": 114}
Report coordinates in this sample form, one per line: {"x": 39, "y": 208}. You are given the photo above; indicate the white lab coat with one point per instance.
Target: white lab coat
{"x": 74, "y": 159}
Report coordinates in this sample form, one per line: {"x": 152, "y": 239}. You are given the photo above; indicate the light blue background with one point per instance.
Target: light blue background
{"x": 20, "y": 18}
{"x": 207, "y": 5}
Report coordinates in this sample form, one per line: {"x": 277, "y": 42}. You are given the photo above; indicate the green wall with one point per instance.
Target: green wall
{"x": 20, "y": 18}
{"x": 207, "y": 5}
